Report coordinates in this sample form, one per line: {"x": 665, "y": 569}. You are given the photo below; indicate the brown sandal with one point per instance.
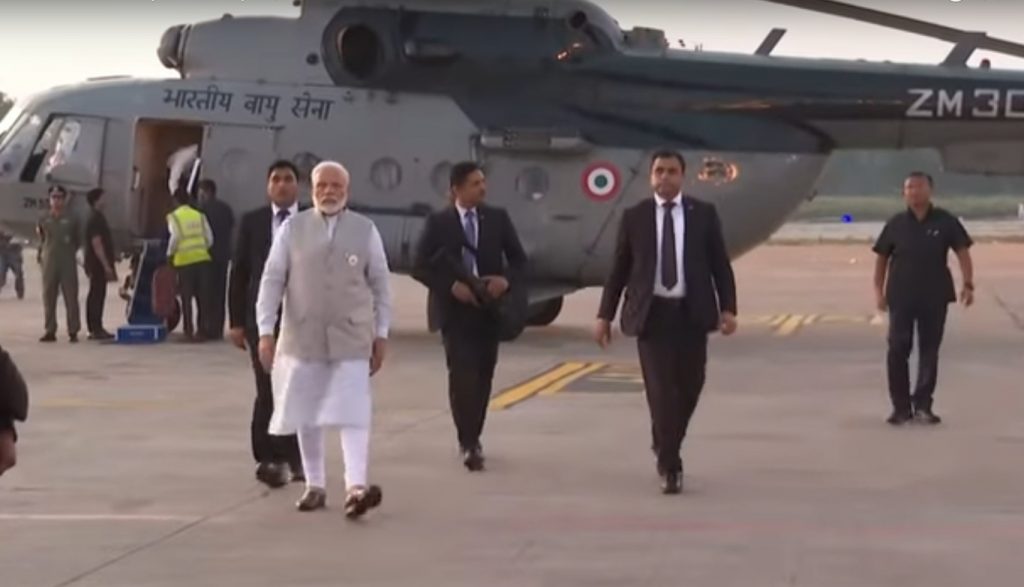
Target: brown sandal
{"x": 361, "y": 499}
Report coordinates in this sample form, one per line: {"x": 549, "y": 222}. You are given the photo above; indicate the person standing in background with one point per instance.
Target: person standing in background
{"x": 913, "y": 283}
{"x": 99, "y": 265}
{"x": 222, "y": 223}
{"x": 188, "y": 250}
{"x": 11, "y": 259}
{"x": 60, "y": 237}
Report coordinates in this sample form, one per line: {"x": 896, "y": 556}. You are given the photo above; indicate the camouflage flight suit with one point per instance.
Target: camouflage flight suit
{"x": 11, "y": 260}
{"x": 61, "y": 238}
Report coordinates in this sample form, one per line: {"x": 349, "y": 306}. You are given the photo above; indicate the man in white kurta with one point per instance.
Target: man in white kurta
{"x": 328, "y": 266}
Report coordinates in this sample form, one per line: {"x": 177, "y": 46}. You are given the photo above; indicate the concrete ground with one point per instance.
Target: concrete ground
{"x": 135, "y": 467}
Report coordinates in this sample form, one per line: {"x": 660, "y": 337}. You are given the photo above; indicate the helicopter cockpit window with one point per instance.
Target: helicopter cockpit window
{"x": 18, "y": 141}
{"x": 360, "y": 50}
{"x": 67, "y": 142}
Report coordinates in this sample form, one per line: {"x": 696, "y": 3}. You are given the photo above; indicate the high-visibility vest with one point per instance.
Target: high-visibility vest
{"x": 191, "y": 247}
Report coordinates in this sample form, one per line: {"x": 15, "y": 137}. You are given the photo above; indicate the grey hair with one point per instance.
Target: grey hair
{"x": 331, "y": 165}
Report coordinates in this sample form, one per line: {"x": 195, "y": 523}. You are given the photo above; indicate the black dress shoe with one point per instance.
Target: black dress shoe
{"x": 271, "y": 475}
{"x": 48, "y": 338}
{"x": 926, "y": 417}
{"x": 473, "y": 459}
{"x": 671, "y": 483}
{"x": 73, "y": 338}
{"x": 361, "y": 500}
{"x": 899, "y": 418}
{"x": 313, "y": 499}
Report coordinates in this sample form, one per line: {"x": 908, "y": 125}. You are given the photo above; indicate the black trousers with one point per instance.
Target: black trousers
{"x": 267, "y": 448}
{"x": 930, "y": 320}
{"x": 471, "y": 352}
{"x": 673, "y": 359}
{"x": 194, "y": 286}
{"x": 96, "y": 299}
{"x": 214, "y": 316}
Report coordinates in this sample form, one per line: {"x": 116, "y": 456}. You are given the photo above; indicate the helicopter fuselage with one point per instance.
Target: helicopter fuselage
{"x": 561, "y": 106}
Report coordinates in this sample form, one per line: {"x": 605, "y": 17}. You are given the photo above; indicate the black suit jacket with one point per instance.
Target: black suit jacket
{"x": 499, "y": 252}
{"x": 710, "y": 284}
{"x": 252, "y": 247}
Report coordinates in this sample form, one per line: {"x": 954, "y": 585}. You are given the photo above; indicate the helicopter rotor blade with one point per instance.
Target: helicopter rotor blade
{"x": 964, "y": 39}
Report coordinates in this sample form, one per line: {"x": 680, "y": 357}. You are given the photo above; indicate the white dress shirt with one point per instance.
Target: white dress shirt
{"x": 275, "y": 223}
{"x": 276, "y": 274}
{"x": 679, "y": 226}
{"x": 476, "y": 229}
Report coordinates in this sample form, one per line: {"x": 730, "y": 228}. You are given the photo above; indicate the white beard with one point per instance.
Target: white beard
{"x": 330, "y": 209}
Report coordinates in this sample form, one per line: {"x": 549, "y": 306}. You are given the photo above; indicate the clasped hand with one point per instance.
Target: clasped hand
{"x": 496, "y": 287}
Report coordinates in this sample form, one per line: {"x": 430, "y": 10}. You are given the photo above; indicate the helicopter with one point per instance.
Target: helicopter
{"x": 560, "y": 105}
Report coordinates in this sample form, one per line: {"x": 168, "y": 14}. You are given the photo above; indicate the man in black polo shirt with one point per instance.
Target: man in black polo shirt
{"x": 912, "y": 250}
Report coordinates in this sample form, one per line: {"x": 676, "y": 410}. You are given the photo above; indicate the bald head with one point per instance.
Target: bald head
{"x": 330, "y": 187}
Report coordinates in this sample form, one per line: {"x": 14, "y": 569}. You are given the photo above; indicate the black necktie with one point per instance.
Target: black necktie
{"x": 282, "y": 215}
{"x": 669, "y": 276}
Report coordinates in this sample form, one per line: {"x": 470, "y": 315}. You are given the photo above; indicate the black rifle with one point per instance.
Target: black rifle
{"x": 510, "y": 309}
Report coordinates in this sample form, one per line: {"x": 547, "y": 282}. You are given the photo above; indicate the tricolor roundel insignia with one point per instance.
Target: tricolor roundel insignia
{"x": 600, "y": 181}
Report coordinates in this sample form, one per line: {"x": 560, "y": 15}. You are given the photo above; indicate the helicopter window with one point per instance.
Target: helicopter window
{"x": 18, "y": 141}
{"x": 67, "y": 143}
{"x": 532, "y": 183}
{"x": 386, "y": 174}
{"x": 360, "y": 50}
{"x": 44, "y": 146}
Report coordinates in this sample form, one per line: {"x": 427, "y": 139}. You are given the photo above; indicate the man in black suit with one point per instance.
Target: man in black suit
{"x": 222, "y": 223}
{"x": 468, "y": 243}
{"x": 255, "y": 235}
{"x": 671, "y": 260}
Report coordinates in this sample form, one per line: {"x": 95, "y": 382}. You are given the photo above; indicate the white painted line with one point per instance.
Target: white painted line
{"x": 95, "y": 518}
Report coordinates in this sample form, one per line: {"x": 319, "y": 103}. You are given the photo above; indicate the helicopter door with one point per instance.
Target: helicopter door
{"x": 236, "y": 157}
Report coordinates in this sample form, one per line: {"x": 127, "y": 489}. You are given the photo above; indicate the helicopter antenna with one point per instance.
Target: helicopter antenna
{"x": 966, "y": 42}
{"x": 770, "y": 42}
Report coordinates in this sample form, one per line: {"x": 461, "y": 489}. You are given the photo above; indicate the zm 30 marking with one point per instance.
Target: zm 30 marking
{"x": 988, "y": 103}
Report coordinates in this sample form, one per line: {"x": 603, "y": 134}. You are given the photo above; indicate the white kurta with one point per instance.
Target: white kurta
{"x": 320, "y": 393}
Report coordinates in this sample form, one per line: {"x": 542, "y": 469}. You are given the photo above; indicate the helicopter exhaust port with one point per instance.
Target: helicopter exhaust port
{"x": 360, "y": 50}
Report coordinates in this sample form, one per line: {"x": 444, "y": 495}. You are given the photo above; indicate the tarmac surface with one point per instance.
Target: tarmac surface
{"x": 134, "y": 467}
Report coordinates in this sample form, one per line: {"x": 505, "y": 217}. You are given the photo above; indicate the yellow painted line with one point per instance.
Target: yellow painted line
{"x": 791, "y": 325}
{"x": 839, "y": 319}
{"x": 530, "y": 387}
{"x": 811, "y": 319}
{"x": 778, "y": 320}
{"x": 756, "y": 319}
{"x": 563, "y": 382}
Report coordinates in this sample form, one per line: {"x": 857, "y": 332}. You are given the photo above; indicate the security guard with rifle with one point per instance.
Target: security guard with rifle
{"x": 470, "y": 258}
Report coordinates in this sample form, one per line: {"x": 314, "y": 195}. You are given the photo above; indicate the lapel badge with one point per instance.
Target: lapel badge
{"x": 352, "y": 260}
